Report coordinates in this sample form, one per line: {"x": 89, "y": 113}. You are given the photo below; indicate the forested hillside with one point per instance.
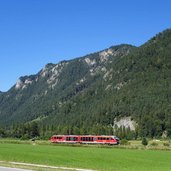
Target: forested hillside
{"x": 88, "y": 95}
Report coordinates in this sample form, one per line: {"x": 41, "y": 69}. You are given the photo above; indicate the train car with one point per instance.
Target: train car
{"x": 85, "y": 139}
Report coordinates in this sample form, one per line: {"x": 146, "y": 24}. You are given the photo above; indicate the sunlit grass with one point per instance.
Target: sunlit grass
{"x": 87, "y": 157}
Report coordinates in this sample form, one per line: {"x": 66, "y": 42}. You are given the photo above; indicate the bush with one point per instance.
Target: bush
{"x": 25, "y": 137}
{"x": 166, "y": 144}
{"x": 144, "y": 141}
{"x": 124, "y": 142}
{"x": 154, "y": 144}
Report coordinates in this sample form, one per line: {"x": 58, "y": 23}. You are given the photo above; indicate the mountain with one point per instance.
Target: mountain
{"x": 42, "y": 94}
{"x": 90, "y": 93}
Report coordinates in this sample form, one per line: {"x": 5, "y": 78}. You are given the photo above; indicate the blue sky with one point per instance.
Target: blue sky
{"x": 36, "y": 32}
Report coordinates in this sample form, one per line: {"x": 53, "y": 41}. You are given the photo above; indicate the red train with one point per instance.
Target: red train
{"x": 85, "y": 139}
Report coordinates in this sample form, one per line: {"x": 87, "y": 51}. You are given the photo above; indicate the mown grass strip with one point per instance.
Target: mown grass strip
{"x": 104, "y": 159}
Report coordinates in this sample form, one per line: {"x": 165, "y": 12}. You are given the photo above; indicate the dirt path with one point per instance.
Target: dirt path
{"x": 44, "y": 166}
{"x": 12, "y": 169}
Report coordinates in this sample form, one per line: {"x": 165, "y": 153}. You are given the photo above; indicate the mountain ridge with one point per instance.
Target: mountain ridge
{"x": 90, "y": 92}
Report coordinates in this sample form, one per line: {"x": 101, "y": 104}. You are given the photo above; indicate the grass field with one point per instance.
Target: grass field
{"x": 105, "y": 159}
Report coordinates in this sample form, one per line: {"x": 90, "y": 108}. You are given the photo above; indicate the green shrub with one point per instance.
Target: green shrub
{"x": 154, "y": 144}
{"x": 166, "y": 144}
{"x": 124, "y": 142}
{"x": 144, "y": 141}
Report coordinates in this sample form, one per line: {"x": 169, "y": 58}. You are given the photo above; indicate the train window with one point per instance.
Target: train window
{"x": 101, "y": 138}
{"x": 72, "y": 138}
{"x": 68, "y": 138}
{"x": 75, "y": 138}
{"x": 82, "y": 138}
{"x": 90, "y": 138}
{"x": 86, "y": 138}
{"x": 59, "y": 138}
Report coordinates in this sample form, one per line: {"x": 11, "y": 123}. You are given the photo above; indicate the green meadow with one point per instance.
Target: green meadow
{"x": 102, "y": 159}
